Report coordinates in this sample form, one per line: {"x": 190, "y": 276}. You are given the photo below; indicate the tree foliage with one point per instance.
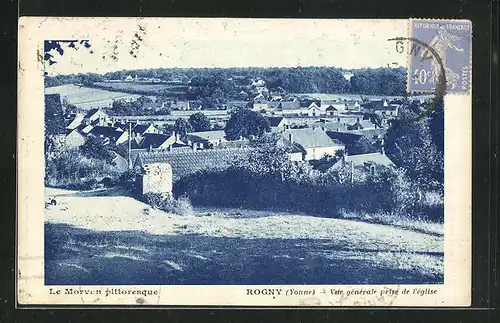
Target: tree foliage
{"x": 379, "y": 81}
{"x": 216, "y": 86}
{"x": 416, "y": 145}
{"x": 267, "y": 178}
{"x": 54, "y": 115}
{"x": 137, "y": 107}
{"x": 199, "y": 122}
{"x": 246, "y": 123}
{"x": 95, "y": 148}
{"x": 182, "y": 126}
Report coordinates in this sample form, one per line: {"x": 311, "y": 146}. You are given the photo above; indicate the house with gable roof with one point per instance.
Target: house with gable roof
{"x": 142, "y": 129}
{"x": 278, "y": 124}
{"x": 314, "y": 110}
{"x": 96, "y": 117}
{"x": 332, "y": 125}
{"x": 355, "y": 144}
{"x": 109, "y": 135}
{"x": 315, "y": 142}
{"x": 206, "y": 139}
{"x": 289, "y": 108}
{"x": 362, "y": 124}
{"x": 260, "y": 103}
{"x": 368, "y": 164}
{"x": 75, "y": 123}
{"x": 157, "y": 141}
{"x": 331, "y": 111}
{"x": 353, "y": 106}
{"x": 294, "y": 151}
{"x": 274, "y": 105}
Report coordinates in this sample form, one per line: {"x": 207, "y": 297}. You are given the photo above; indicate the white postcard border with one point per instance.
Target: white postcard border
{"x": 456, "y": 290}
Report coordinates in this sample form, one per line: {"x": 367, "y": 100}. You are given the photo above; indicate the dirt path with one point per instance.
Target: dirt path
{"x": 120, "y": 229}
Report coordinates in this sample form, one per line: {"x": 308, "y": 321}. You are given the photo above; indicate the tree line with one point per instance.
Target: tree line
{"x": 227, "y": 83}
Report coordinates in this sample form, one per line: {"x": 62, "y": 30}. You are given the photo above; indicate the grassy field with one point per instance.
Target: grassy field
{"x": 88, "y": 98}
{"x": 145, "y": 88}
{"x": 106, "y": 237}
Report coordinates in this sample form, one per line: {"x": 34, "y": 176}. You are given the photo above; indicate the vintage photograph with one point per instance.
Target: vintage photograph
{"x": 247, "y": 162}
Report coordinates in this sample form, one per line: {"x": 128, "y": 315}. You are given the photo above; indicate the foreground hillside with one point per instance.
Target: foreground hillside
{"x": 104, "y": 237}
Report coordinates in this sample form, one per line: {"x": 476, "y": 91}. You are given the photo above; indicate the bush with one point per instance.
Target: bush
{"x": 70, "y": 169}
{"x": 164, "y": 202}
{"x": 158, "y": 201}
{"x": 95, "y": 148}
{"x": 269, "y": 182}
{"x": 182, "y": 206}
{"x": 128, "y": 178}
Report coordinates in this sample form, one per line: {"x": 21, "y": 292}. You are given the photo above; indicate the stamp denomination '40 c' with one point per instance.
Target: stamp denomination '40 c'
{"x": 448, "y": 51}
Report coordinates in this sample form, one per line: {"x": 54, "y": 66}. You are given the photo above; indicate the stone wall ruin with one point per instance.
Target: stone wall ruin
{"x": 155, "y": 178}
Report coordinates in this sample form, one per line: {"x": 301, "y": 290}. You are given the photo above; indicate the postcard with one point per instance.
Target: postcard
{"x": 244, "y": 162}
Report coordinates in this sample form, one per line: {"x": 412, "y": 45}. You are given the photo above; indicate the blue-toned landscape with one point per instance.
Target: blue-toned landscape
{"x": 135, "y": 244}
{"x": 293, "y": 175}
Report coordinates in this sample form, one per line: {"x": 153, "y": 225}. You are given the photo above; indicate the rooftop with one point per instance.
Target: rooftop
{"x": 104, "y": 131}
{"x": 289, "y": 105}
{"x": 310, "y": 138}
{"x": 75, "y": 122}
{"x": 140, "y": 128}
{"x": 374, "y": 158}
{"x": 91, "y": 112}
{"x": 355, "y": 143}
{"x": 274, "y": 104}
{"x": 208, "y": 135}
{"x": 153, "y": 140}
{"x": 234, "y": 144}
{"x": 275, "y": 121}
{"x": 188, "y": 162}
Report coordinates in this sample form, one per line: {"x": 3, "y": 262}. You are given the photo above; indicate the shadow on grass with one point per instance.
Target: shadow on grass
{"x": 84, "y": 257}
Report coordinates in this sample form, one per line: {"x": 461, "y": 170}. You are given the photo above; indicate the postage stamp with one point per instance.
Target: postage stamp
{"x": 441, "y": 48}
{"x": 228, "y": 162}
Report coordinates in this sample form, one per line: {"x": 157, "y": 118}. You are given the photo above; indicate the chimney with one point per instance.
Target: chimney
{"x": 290, "y": 137}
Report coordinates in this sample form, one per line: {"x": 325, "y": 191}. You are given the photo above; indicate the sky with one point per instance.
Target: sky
{"x": 140, "y": 43}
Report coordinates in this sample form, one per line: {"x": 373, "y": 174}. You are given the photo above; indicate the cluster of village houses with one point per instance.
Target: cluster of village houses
{"x": 309, "y": 130}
